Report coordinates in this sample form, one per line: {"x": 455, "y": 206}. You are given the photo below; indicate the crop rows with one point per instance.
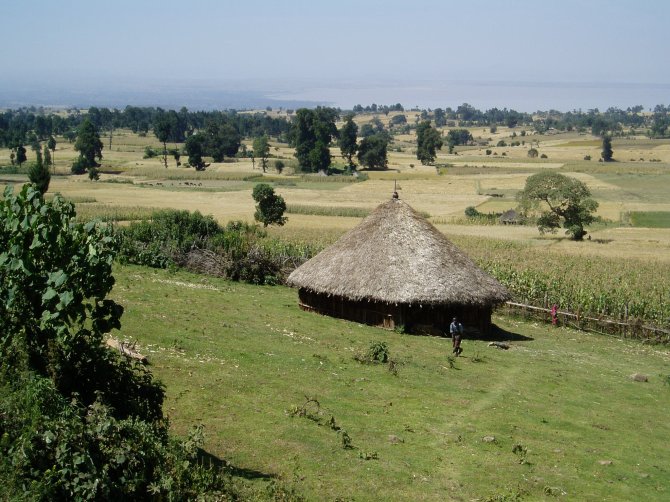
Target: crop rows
{"x": 617, "y": 288}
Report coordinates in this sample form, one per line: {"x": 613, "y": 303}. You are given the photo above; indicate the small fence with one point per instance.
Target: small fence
{"x": 632, "y": 329}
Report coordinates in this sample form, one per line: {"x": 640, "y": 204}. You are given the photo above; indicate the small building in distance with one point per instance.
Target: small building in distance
{"x": 395, "y": 269}
{"x": 510, "y": 217}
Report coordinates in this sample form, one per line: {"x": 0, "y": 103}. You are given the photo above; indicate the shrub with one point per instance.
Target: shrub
{"x": 378, "y": 352}
{"x": 149, "y": 153}
{"x": 78, "y": 421}
{"x": 587, "y": 157}
{"x": 279, "y": 166}
{"x": 543, "y": 156}
{"x": 501, "y": 143}
{"x": 533, "y": 153}
{"x": 471, "y": 212}
{"x": 488, "y": 152}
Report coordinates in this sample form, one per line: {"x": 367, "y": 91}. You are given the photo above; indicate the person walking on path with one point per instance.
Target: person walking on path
{"x": 456, "y": 331}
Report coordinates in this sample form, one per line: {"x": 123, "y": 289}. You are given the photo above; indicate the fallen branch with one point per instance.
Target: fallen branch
{"x": 126, "y": 349}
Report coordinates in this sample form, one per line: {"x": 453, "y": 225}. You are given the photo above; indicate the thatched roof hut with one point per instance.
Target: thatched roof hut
{"x": 395, "y": 268}
{"x": 510, "y": 217}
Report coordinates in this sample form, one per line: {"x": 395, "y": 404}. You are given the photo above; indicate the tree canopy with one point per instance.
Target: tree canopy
{"x": 348, "y": 137}
{"x": 262, "y": 150}
{"x": 195, "y": 148}
{"x": 560, "y": 201}
{"x": 270, "y": 207}
{"x": 607, "y": 153}
{"x": 78, "y": 420}
{"x": 89, "y": 146}
{"x": 313, "y": 131}
{"x": 372, "y": 152}
{"x": 428, "y": 140}
{"x": 39, "y": 173}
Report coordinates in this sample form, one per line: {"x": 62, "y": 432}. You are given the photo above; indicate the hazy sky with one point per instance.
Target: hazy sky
{"x": 359, "y": 41}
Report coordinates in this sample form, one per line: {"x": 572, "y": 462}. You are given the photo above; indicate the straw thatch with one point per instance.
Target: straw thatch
{"x": 395, "y": 256}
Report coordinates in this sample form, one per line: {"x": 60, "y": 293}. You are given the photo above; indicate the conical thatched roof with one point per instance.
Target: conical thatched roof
{"x": 396, "y": 256}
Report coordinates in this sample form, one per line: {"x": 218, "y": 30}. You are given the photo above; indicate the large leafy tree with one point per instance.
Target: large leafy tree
{"x": 270, "y": 207}
{"x": 313, "y": 131}
{"x": 560, "y": 201}
{"x": 348, "y": 135}
{"x": 372, "y": 152}
{"x": 55, "y": 275}
{"x": 195, "y": 149}
{"x": 222, "y": 139}
{"x": 89, "y": 146}
{"x": 262, "y": 150}
{"x": 78, "y": 420}
{"x": 428, "y": 141}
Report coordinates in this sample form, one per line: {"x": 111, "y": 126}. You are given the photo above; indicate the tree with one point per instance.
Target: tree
{"x": 270, "y": 207}
{"x": 348, "y": 136}
{"x": 607, "y": 149}
{"x": 372, "y": 152}
{"x": 439, "y": 117}
{"x": 428, "y": 140}
{"x": 222, "y": 139}
{"x": 20, "y": 154}
{"x": 262, "y": 150}
{"x": 39, "y": 173}
{"x": 313, "y": 131}
{"x": 47, "y": 156}
{"x": 560, "y": 200}
{"x": 89, "y": 146}
{"x": 78, "y": 420}
{"x": 195, "y": 149}
{"x": 459, "y": 137}
{"x": 163, "y": 126}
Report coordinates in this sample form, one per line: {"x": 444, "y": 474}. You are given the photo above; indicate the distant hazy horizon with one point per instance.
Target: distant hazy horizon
{"x": 241, "y": 94}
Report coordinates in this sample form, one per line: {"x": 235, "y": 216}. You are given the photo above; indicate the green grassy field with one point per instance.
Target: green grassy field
{"x": 650, "y": 219}
{"x": 566, "y": 418}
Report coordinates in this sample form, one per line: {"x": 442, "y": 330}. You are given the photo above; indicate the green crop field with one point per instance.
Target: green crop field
{"x": 650, "y": 219}
{"x": 556, "y": 415}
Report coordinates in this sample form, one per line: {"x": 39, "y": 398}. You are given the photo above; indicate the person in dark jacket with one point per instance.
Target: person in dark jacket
{"x": 456, "y": 332}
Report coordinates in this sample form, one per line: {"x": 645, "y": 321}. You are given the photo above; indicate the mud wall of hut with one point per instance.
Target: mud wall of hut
{"x": 426, "y": 319}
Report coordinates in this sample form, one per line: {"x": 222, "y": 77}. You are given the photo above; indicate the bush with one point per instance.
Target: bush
{"x": 78, "y": 421}
{"x": 488, "y": 152}
{"x": 544, "y": 156}
{"x": 501, "y": 143}
{"x": 149, "y": 153}
{"x": 78, "y": 166}
{"x": 533, "y": 153}
{"x": 174, "y": 238}
{"x": 587, "y": 157}
{"x": 279, "y": 166}
{"x": 471, "y": 212}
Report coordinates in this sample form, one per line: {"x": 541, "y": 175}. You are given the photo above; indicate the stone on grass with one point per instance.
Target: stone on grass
{"x": 393, "y": 439}
{"x": 639, "y": 377}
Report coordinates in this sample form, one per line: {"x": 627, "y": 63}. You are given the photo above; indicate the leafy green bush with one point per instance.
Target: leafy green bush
{"x": 77, "y": 420}
{"x": 378, "y": 352}
{"x": 174, "y": 238}
{"x": 149, "y": 153}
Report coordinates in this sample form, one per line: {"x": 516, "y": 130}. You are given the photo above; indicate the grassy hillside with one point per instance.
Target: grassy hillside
{"x": 566, "y": 418}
